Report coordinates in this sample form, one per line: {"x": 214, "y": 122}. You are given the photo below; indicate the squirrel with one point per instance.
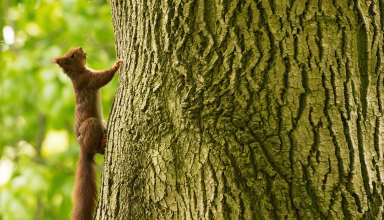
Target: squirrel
{"x": 89, "y": 128}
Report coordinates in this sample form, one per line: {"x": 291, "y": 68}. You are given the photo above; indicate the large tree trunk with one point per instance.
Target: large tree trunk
{"x": 246, "y": 110}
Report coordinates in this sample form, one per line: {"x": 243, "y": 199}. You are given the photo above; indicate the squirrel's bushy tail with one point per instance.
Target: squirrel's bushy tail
{"x": 84, "y": 195}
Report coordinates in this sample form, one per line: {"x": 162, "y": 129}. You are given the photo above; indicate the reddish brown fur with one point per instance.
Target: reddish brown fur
{"x": 90, "y": 131}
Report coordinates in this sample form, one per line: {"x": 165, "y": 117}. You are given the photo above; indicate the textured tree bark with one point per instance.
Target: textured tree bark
{"x": 246, "y": 110}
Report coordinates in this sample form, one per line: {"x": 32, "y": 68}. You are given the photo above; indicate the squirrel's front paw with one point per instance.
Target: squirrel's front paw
{"x": 118, "y": 63}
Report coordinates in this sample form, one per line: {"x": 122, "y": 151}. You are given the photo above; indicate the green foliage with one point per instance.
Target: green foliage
{"x": 37, "y": 145}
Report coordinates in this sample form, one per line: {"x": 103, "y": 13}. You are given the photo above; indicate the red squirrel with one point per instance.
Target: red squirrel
{"x": 89, "y": 128}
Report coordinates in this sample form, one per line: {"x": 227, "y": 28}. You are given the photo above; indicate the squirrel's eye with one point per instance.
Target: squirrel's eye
{"x": 73, "y": 56}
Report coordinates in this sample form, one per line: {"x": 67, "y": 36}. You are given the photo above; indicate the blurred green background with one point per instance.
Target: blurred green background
{"x": 38, "y": 151}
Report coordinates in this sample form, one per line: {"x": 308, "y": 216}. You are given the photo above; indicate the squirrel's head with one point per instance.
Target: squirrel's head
{"x": 73, "y": 61}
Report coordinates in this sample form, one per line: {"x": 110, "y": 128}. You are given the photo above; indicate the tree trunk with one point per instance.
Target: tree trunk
{"x": 246, "y": 110}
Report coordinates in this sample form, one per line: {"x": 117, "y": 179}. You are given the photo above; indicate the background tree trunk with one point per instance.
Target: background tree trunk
{"x": 246, "y": 110}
